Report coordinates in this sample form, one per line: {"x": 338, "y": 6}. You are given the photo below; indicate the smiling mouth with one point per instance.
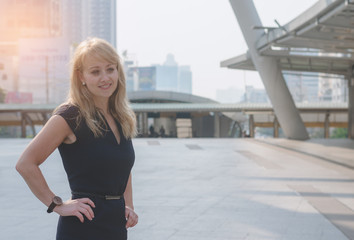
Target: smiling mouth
{"x": 105, "y": 86}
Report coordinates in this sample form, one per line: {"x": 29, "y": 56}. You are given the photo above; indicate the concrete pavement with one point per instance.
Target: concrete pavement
{"x": 208, "y": 189}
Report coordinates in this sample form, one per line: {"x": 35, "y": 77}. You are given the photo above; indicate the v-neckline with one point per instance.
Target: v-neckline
{"x": 111, "y": 131}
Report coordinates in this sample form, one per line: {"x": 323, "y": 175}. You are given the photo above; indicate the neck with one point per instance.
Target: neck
{"x": 102, "y": 104}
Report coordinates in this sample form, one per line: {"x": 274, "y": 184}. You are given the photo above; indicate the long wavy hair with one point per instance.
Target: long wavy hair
{"x": 81, "y": 97}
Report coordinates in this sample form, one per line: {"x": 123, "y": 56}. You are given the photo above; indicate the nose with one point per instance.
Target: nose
{"x": 105, "y": 76}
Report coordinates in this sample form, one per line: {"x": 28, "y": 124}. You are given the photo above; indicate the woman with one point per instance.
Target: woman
{"x": 93, "y": 132}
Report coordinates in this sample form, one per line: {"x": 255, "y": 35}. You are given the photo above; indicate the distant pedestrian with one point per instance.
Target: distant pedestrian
{"x": 152, "y": 131}
{"x": 162, "y": 131}
{"x": 93, "y": 132}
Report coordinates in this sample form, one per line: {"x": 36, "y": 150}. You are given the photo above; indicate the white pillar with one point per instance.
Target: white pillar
{"x": 251, "y": 125}
{"x": 272, "y": 77}
{"x": 216, "y": 125}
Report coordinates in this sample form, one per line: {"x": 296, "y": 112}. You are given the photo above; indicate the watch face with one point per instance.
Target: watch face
{"x": 57, "y": 200}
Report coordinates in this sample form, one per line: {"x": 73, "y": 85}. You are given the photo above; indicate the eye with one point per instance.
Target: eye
{"x": 110, "y": 70}
{"x": 95, "y": 72}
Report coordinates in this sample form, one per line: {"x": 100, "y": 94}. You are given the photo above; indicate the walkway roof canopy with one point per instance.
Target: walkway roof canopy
{"x": 321, "y": 39}
{"x": 166, "y": 96}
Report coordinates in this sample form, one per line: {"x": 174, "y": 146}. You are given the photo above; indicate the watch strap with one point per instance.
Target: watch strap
{"x": 56, "y": 201}
{"x": 51, "y": 207}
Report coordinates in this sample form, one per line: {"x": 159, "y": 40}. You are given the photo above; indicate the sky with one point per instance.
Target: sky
{"x": 199, "y": 33}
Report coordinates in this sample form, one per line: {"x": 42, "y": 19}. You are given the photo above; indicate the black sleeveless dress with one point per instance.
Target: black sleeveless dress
{"x": 99, "y": 166}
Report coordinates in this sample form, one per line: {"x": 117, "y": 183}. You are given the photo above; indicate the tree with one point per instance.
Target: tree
{"x": 340, "y": 133}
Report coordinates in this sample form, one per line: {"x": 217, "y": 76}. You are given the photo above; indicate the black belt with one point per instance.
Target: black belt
{"x": 106, "y": 197}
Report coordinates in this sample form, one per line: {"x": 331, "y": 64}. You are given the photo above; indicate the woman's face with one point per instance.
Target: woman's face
{"x": 100, "y": 77}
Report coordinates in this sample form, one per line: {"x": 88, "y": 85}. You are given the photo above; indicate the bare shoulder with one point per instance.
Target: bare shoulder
{"x": 56, "y": 129}
{"x": 58, "y": 124}
{"x": 54, "y": 132}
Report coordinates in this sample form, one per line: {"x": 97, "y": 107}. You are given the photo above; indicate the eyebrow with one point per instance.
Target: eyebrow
{"x": 98, "y": 66}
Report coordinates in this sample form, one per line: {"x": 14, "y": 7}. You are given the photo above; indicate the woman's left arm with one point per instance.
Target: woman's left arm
{"x": 130, "y": 215}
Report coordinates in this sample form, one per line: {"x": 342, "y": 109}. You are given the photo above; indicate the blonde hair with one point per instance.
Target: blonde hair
{"x": 81, "y": 97}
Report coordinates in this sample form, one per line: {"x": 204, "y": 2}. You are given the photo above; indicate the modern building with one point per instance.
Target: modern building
{"x": 24, "y": 20}
{"x": 43, "y": 69}
{"x": 147, "y": 78}
{"x": 332, "y": 89}
{"x": 167, "y": 77}
{"x": 304, "y": 87}
{"x": 89, "y": 18}
{"x": 255, "y": 95}
{"x": 29, "y": 19}
{"x": 37, "y": 37}
{"x": 229, "y": 95}
{"x": 131, "y": 72}
{"x": 185, "y": 79}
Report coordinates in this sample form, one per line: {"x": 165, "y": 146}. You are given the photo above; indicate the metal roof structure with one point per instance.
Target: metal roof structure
{"x": 321, "y": 39}
{"x": 13, "y": 114}
{"x": 166, "y": 96}
{"x": 187, "y": 107}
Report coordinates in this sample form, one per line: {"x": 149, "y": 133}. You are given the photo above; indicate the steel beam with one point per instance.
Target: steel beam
{"x": 272, "y": 77}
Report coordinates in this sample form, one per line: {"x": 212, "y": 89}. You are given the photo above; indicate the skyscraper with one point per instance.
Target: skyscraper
{"x": 89, "y": 18}
{"x": 29, "y": 19}
{"x": 185, "y": 79}
{"x": 24, "y": 20}
{"x": 167, "y": 77}
{"x": 302, "y": 86}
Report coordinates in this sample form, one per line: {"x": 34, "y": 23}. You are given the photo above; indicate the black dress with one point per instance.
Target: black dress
{"x": 99, "y": 166}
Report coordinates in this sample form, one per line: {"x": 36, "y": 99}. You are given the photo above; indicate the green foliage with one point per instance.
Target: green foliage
{"x": 339, "y": 133}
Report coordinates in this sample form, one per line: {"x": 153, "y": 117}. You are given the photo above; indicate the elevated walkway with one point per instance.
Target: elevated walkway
{"x": 323, "y": 115}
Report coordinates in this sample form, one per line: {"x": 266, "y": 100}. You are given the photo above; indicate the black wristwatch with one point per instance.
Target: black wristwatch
{"x": 55, "y": 202}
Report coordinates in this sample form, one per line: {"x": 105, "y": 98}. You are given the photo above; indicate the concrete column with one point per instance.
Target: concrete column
{"x": 23, "y": 125}
{"x": 251, "y": 125}
{"x": 351, "y": 108}
{"x": 139, "y": 125}
{"x": 272, "y": 77}
{"x": 276, "y": 128}
{"x": 216, "y": 125}
{"x": 326, "y": 126}
{"x": 145, "y": 127}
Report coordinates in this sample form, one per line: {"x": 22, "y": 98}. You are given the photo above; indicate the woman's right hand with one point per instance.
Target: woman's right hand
{"x": 77, "y": 207}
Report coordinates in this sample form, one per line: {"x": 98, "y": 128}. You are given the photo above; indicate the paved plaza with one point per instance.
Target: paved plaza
{"x": 220, "y": 189}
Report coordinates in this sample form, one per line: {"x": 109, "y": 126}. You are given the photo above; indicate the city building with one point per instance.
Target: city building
{"x": 167, "y": 77}
{"x": 29, "y": 19}
{"x": 304, "y": 87}
{"x": 131, "y": 72}
{"x": 89, "y": 18}
{"x": 229, "y": 95}
{"x": 147, "y": 78}
{"x": 43, "y": 68}
{"x": 333, "y": 89}
{"x": 37, "y": 39}
{"x": 185, "y": 79}
{"x": 24, "y": 20}
{"x": 255, "y": 95}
